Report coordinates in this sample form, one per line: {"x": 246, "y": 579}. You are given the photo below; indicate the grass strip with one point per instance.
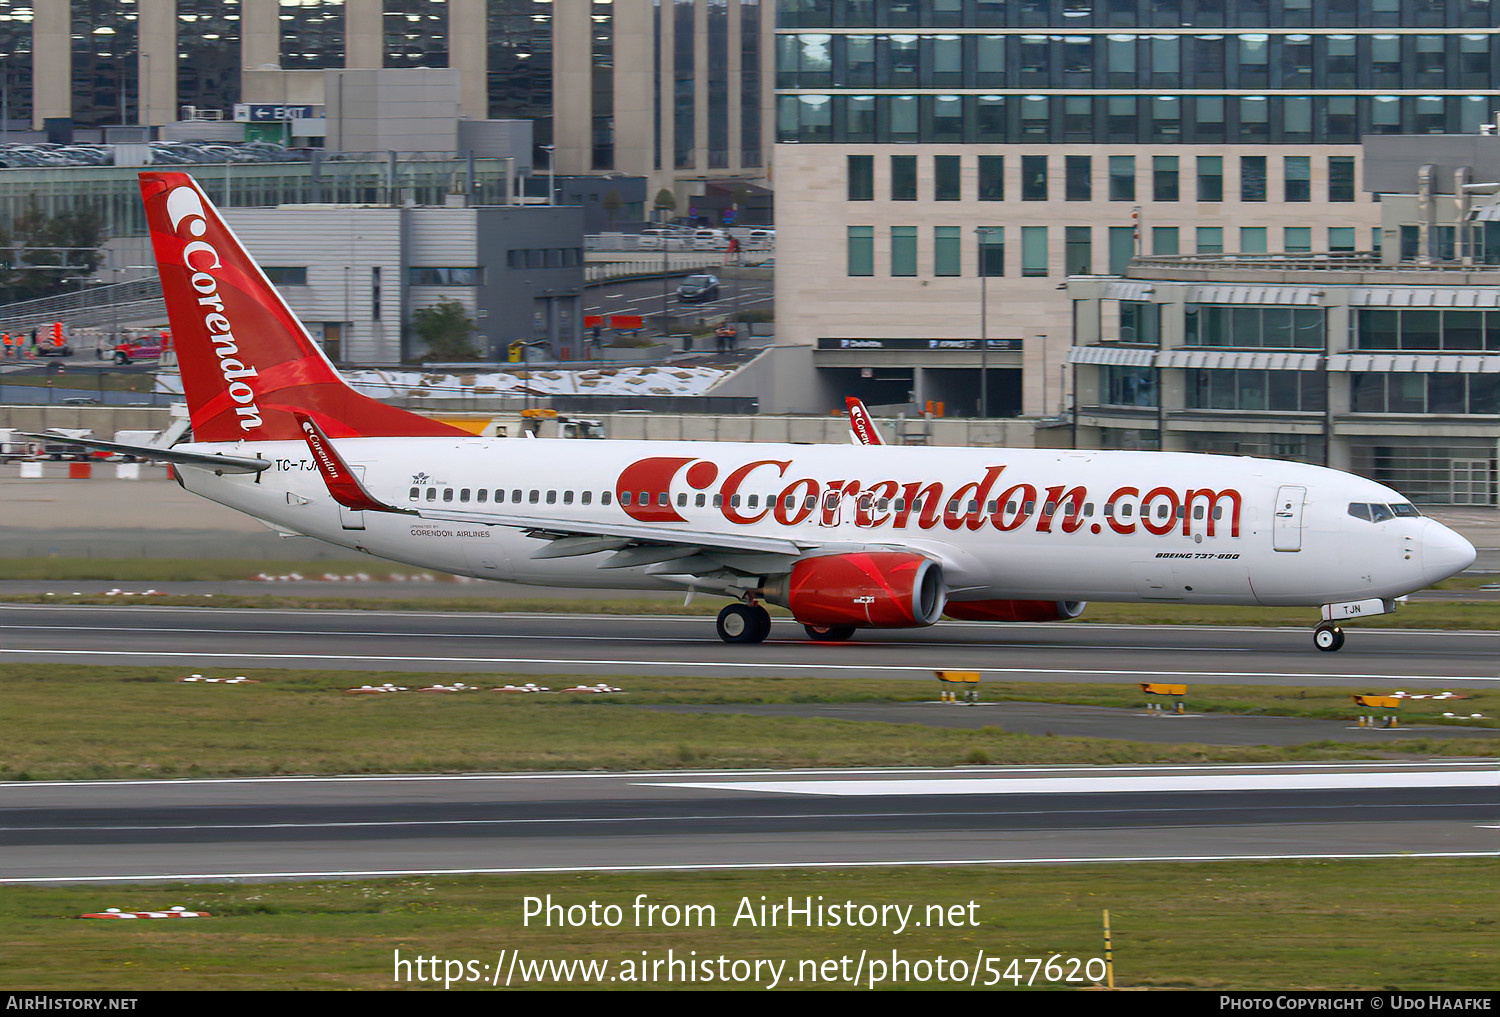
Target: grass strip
{"x": 66, "y": 722}
{"x": 1409, "y": 924}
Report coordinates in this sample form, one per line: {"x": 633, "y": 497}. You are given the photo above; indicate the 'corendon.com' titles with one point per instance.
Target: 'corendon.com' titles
{"x": 644, "y": 491}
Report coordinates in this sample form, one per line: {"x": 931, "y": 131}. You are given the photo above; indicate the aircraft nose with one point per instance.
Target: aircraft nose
{"x": 1444, "y": 552}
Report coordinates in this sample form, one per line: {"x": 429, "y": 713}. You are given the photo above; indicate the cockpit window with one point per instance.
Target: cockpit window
{"x": 1380, "y": 513}
{"x": 1405, "y": 509}
{"x": 1359, "y": 510}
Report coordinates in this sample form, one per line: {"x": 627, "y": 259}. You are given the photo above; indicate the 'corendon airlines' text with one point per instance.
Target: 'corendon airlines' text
{"x": 644, "y": 488}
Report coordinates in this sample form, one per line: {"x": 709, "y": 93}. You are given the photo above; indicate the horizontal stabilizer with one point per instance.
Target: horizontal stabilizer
{"x": 178, "y": 457}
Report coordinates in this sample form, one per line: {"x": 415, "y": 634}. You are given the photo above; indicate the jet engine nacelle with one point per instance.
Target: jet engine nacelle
{"x": 866, "y": 589}
{"x": 1014, "y": 610}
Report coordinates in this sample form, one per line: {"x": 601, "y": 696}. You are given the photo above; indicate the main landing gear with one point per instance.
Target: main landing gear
{"x": 829, "y": 633}
{"x": 744, "y": 623}
{"x": 1328, "y": 637}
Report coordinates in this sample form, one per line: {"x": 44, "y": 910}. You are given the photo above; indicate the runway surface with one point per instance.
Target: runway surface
{"x": 301, "y": 828}
{"x": 609, "y": 646}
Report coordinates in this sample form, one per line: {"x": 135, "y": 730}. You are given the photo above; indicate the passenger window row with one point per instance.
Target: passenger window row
{"x": 517, "y": 496}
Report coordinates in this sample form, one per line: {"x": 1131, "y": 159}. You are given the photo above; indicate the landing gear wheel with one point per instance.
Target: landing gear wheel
{"x": 1328, "y": 637}
{"x": 829, "y": 633}
{"x": 744, "y": 623}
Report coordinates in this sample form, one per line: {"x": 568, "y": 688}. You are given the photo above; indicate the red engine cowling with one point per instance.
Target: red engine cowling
{"x": 868, "y": 589}
{"x": 1014, "y": 610}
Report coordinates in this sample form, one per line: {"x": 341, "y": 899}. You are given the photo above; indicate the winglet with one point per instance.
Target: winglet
{"x": 860, "y": 420}
{"x": 342, "y": 483}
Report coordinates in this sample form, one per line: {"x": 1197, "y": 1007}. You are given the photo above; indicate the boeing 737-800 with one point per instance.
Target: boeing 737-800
{"x": 843, "y": 536}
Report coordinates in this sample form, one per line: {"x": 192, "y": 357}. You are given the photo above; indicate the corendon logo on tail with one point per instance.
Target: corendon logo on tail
{"x": 185, "y": 211}
{"x": 648, "y": 488}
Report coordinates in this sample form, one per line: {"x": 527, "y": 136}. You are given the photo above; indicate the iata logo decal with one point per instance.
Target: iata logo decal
{"x": 185, "y": 212}
{"x": 652, "y": 490}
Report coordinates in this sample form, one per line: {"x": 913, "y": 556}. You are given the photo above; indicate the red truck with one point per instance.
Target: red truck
{"x": 146, "y": 347}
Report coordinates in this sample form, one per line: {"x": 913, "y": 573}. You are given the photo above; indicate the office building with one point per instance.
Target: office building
{"x": 1388, "y": 366}
{"x": 676, "y": 91}
{"x": 1048, "y": 138}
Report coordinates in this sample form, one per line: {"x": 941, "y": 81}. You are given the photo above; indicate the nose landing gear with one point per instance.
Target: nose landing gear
{"x": 1328, "y": 637}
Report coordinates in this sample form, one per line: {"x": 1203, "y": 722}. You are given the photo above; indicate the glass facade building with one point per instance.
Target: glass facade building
{"x": 1113, "y": 72}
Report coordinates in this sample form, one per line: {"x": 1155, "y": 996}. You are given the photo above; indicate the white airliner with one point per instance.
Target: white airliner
{"x": 844, "y": 536}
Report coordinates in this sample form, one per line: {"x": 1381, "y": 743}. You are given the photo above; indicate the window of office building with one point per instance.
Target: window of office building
{"x": 1078, "y": 256}
{"x": 1411, "y": 392}
{"x": 903, "y": 178}
{"x": 1035, "y": 110}
{"x": 208, "y": 54}
{"x": 1033, "y": 250}
{"x": 1296, "y": 118}
{"x": 106, "y": 85}
{"x": 1033, "y": 178}
{"x": 991, "y": 250}
{"x": 1252, "y": 240}
{"x": 1140, "y": 321}
{"x": 1255, "y": 118}
{"x": 16, "y": 42}
{"x": 1164, "y": 177}
{"x": 1122, "y": 178}
{"x": 1298, "y": 182}
{"x": 947, "y": 250}
{"x": 1121, "y": 119}
{"x": 518, "y": 65}
{"x": 945, "y": 178}
{"x": 416, "y": 33}
{"x": 1210, "y": 240}
{"x": 1166, "y": 118}
{"x": 1079, "y": 186}
{"x": 312, "y": 34}
{"x": 1252, "y": 178}
{"x": 1121, "y": 248}
{"x": 1341, "y": 240}
{"x": 750, "y": 83}
{"x": 1224, "y": 389}
{"x": 1128, "y": 386}
{"x": 1297, "y": 240}
{"x": 1210, "y": 124}
{"x": 1253, "y": 326}
{"x": 814, "y": 110}
{"x": 861, "y": 250}
{"x": 1341, "y": 178}
{"x": 903, "y": 250}
{"x": 1078, "y": 118}
{"x": 1427, "y": 330}
{"x": 992, "y": 178}
{"x": 1164, "y": 240}
{"x": 1210, "y": 178}
{"x": 861, "y": 177}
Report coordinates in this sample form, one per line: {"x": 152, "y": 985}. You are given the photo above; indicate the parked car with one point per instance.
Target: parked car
{"x": 710, "y": 240}
{"x": 695, "y": 289}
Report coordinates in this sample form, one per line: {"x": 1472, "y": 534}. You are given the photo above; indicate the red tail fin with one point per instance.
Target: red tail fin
{"x": 861, "y": 422}
{"x": 248, "y": 365}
